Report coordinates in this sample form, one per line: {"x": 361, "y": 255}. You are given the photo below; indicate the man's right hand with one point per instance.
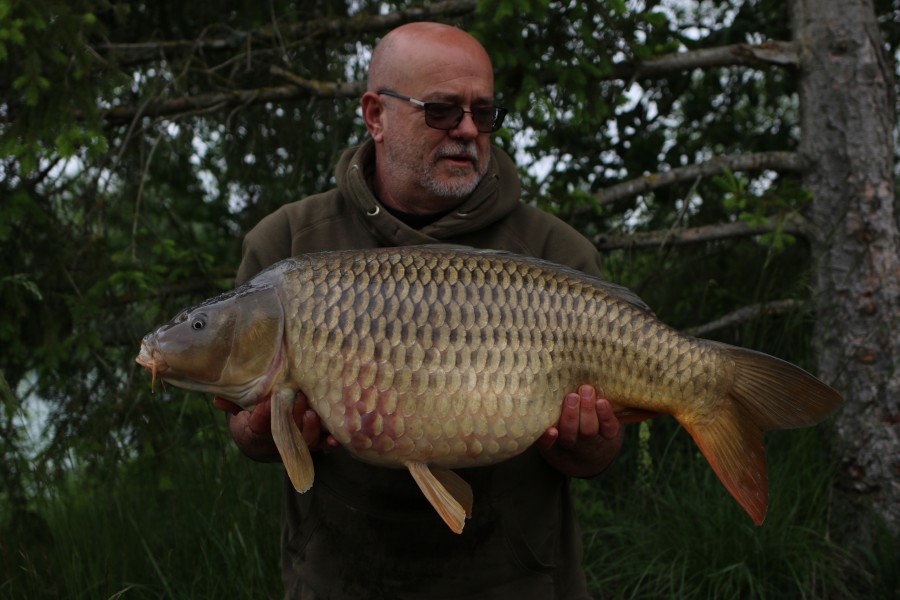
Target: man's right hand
{"x": 252, "y": 430}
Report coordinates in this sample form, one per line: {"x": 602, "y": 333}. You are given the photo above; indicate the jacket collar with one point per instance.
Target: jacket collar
{"x": 497, "y": 194}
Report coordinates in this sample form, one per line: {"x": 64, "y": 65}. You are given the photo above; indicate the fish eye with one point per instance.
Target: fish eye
{"x": 198, "y": 323}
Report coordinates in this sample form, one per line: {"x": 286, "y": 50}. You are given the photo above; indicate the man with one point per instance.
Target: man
{"x": 430, "y": 175}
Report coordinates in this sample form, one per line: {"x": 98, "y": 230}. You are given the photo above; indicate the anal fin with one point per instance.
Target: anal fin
{"x": 447, "y": 492}
{"x": 290, "y": 443}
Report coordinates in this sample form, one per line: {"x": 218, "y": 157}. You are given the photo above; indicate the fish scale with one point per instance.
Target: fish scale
{"x": 433, "y": 358}
{"x": 466, "y": 333}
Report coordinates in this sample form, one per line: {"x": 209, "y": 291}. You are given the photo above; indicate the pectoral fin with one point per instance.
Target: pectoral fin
{"x": 289, "y": 441}
{"x": 447, "y": 492}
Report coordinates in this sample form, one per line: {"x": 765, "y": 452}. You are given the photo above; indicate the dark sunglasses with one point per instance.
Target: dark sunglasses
{"x": 446, "y": 115}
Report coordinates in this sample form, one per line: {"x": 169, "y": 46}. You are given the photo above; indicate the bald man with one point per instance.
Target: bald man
{"x": 429, "y": 174}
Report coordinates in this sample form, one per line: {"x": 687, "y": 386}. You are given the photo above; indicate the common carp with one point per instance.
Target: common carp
{"x": 432, "y": 358}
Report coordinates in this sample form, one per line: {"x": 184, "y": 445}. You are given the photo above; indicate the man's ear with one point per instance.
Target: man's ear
{"x": 373, "y": 115}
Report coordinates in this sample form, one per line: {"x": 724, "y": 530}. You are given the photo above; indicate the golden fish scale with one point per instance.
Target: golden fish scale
{"x": 459, "y": 360}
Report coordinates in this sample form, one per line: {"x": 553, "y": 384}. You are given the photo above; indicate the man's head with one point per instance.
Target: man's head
{"x": 421, "y": 169}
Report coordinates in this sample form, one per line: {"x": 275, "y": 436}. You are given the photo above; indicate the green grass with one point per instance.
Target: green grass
{"x": 676, "y": 533}
{"x": 194, "y": 519}
{"x": 191, "y": 521}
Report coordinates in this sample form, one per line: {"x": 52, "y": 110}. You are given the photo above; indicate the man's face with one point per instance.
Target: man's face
{"x": 445, "y": 164}
{"x": 426, "y": 169}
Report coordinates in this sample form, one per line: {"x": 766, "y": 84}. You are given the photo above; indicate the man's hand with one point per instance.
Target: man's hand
{"x": 587, "y": 437}
{"x": 252, "y": 430}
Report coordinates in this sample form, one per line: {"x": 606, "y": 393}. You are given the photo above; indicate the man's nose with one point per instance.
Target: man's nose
{"x": 466, "y": 129}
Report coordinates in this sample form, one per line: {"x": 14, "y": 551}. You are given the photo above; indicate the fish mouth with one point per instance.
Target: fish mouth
{"x": 151, "y": 359}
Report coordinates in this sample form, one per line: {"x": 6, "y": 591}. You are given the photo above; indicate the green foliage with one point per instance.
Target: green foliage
{"x": 108, "y": 228}
{"x": 682, "y": 536}
{"x": 45, "y": 80}
{"x": 185, "y": 518}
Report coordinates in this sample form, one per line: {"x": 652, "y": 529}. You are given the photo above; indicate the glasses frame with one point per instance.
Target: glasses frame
{"x": 499, "y": 113}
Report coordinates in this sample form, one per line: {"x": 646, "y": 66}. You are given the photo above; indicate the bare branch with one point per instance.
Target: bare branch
{"x": 776, "y": 161}
{"x": 301, "y": 88}
{"x": 742, "y": 315}
{"x": 753, "y": 55}
{"x": 760, "y": 56}
{"x": 372, "y": 23}
{"x": 792, "y": 224}
{"x": 307, "y": 31}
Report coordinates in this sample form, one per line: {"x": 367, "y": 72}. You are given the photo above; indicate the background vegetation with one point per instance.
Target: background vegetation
{"x": 140, "y": 140}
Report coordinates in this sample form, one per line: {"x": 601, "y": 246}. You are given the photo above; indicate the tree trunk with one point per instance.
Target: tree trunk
{"x": 847, "y": 114}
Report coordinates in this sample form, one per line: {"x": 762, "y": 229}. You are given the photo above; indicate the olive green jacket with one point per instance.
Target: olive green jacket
{"x": 368, "y": 532}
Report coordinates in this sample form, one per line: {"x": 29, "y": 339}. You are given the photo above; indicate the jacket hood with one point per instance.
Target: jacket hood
{"x": 498, "y": 193}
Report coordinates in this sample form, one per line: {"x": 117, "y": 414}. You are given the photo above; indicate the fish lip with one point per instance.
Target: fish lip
{"x": 151, "y": 359}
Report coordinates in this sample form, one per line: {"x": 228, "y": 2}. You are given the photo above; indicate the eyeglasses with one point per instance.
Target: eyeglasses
{"x": 447, "y": 115}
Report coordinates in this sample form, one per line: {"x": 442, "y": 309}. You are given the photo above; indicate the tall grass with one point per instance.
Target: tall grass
{"x": 676, "y": 533}
{"x": 192, "y": 520}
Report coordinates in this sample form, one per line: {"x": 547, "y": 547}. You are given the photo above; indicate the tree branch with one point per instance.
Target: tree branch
{"x": 742, "y": 315}
{"x": 776, "y": 161}
{"x": 300, "y": 88}
{"x": 760, "y": 56}
{"x": 752, "y": 55}
{"x": 308, "y": 31}
{"x": 792, "y": 224}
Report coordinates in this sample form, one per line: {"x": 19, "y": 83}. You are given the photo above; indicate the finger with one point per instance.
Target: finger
{"x": 609, "y": 424}
{"x": 238, "y": 423}
{"x": 260, "y": 421}
{"x": 299, "y": 410}
{"x": 568, "y": 419}
{"x": 589, "y": 424}
{"x": 226, "y": 405}
{"x": 311, "y": 428}
{"x": 301, "y": 403}
{"x": 548, "y": 438}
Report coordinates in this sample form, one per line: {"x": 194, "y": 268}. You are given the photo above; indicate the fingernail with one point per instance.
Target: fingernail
{"x": 571, "y": 400}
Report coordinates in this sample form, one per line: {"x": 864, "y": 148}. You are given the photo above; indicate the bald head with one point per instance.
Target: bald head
{"x": 421, "y": 169}
{"x": 415, "y": 50}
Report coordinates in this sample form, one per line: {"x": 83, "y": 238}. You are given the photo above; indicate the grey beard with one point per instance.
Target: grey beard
{"x": 457, "y": 189}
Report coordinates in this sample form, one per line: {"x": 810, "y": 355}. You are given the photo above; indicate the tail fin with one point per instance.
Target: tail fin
{"x": 767, "y": 393}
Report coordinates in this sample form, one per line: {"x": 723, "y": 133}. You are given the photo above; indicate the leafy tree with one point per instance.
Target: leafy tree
{"x": 733, "y": 160}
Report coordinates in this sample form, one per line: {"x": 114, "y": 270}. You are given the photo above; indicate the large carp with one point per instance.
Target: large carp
{"x": 431, "y": 358}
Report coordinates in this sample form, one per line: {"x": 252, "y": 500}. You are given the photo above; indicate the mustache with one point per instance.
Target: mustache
{"x": 469, "y": 150}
